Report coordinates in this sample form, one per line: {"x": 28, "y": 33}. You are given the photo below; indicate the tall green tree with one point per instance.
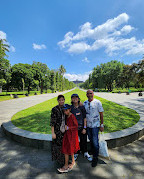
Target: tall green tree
{"x": 5, "y": 66}
{"x": 22, "y": 71}
{"x": 62, "y": 70}
{"x": 53, "y": 81}
{"x": 4, "y": 47}
{"x": 41, "y": 73}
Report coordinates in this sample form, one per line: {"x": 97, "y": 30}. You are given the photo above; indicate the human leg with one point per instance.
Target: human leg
{"x": 64, "y": 169}
{"x": 89, "y": 132}
{"x": 70, "y": 167}
{"x": 78, "y": 152}
{"x": 95, "y": 142}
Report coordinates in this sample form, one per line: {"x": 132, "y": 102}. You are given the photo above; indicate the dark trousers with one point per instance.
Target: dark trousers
{"x": 83, "y": 141}
{"x": 94, "y": 141}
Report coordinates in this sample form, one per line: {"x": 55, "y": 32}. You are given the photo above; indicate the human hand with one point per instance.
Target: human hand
{"x": 101, "y": 129}
{"x": 53, "y": 136}
{"x": 66, "y": 127}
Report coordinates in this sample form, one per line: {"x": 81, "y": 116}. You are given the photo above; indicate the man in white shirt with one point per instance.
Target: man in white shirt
{"x": 94, "y": 117}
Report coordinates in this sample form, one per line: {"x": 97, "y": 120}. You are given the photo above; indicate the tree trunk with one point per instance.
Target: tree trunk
{"x": 28, "y": 89}
{"x": 0, "y": 89}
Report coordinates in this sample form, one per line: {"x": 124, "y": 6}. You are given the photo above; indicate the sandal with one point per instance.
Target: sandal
{"x": 63, "y": 170}
{"x": 70, "y": 167}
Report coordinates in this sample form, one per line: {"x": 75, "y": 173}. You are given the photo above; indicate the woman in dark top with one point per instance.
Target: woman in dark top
{"x": 57, "y": 123}
{"x": 80, "y": 113}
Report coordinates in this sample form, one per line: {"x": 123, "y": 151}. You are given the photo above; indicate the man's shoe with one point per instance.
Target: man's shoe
{"x": 94, "y": 162}
{"x": 76, "y": 156}
{"x": 87, "y": 156}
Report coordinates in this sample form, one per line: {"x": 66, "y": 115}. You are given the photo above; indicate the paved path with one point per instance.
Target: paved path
{"x": 132, "y": 101}
{"x": 10, "y": 107}
{"x": 20, "y": 162}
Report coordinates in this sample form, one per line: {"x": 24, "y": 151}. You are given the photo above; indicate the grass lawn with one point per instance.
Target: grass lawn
{"x": 37, "y": 118}
{"x": 6, "y": 95}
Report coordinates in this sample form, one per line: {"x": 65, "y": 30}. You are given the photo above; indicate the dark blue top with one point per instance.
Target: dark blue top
{"x": 80, "y": 114}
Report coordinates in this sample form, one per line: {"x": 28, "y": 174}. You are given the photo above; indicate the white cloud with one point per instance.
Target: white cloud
{"x": 67, "y": 38}
{"x": 2, "y": 35}
{"x": 78, "y": 47}
{"x": 12, "y": 48}
{"x": 85, "y": 60}
{"x": 80, "y": 77}
{"x": 39, "y": 47}
{"x": 109, "y": 35}
{"x": 127, "y": 29}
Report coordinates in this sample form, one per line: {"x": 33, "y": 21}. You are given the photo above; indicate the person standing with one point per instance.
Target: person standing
{"x": 80, "y": 114}
{"x": 56, "y": 122}
{"x": 94, "y": 117}
{"x": 70, "y": 143}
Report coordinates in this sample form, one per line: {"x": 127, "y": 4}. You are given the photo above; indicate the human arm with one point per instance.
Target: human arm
{"x": 85, "y": 122}
{"x": 101, "y": 122}
{"x": 53, "y": 133}
{"x": 84, "y": 129}
{"x": 53, "y": 122}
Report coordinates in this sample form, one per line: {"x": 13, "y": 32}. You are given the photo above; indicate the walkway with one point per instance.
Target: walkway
{"x": 17, "y": 161}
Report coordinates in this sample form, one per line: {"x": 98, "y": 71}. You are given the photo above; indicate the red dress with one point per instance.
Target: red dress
{"x": 70, "y": 143}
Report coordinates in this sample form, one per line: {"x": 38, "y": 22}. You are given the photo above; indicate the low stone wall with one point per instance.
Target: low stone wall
{"x": 43, "y": 141}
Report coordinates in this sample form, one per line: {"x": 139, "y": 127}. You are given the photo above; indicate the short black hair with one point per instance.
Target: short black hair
{"x": 60, "y": 96}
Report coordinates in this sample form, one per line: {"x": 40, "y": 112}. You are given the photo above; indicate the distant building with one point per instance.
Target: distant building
{"x": 77, "y": 82}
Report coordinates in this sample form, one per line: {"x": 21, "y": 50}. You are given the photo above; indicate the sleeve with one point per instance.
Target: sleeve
{"x": 53, "y": 117}
{"x": 100, "y": 108}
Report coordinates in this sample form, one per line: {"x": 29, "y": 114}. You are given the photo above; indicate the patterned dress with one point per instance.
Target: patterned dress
{"x": 56, "y": 120}
{"x": 70, "y": 140}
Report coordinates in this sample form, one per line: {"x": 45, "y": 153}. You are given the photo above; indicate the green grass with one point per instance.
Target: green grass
{"x": 6, "y": 95}
{"x": 37, "y": 118}
{"x": 124, "y": 90}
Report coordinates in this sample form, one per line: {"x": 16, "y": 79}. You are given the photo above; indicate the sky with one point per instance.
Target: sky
{"x": 78, "y": 34}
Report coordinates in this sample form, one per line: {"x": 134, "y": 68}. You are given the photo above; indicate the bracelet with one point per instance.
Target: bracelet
{"x": 85, "y": 127}
{"x": 67, "y": 127}
{"x": 101, "y": 125}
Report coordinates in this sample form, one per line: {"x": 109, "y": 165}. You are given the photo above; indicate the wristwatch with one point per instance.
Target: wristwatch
{"x": 101, "y": 125}
{"x": 84, "y": 127}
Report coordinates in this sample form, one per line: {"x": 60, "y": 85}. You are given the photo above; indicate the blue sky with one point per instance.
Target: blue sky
{"x": 79, "y": 34}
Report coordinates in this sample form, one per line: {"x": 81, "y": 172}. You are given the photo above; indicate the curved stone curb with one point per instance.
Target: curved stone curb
{"x": 27, "y": 138}
{"x": 43, "y": 141}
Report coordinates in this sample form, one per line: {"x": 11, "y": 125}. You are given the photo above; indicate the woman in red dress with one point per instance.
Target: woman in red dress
{"x": 70, "y": 143}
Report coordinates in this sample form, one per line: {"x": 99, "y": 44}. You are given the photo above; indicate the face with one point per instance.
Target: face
{"x": 67, "y": 111}
{"x": 61, "y": 101}
{"x": 75, "y": 99}
{"x": 90, "y": 94}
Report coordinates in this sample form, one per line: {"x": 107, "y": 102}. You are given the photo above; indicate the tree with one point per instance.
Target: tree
{"x": 22, "y": 71}
{"x": 41, "y": 71}
{"x": 2, "y": 82}
{"x": 4, "y": 63}
{"x": 62, "y": 70}
{"x": 58, "y": 81}
{"x": 141, "y": 72}
{"x": 4, "y": 47}
{"x": 52, "y": 80}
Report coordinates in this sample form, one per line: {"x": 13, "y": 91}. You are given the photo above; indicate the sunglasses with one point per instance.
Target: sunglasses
{"x": 89, "y": 93}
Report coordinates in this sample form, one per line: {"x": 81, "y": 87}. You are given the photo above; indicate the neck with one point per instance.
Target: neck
{"x": 90, "y": 100}
{"x": 76, "y": 104}
{"x": 69, "y": 114}
{"x": 60, "y": 105}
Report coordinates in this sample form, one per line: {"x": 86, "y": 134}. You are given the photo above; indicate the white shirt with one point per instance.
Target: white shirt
{"x": 92, "y": 112}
